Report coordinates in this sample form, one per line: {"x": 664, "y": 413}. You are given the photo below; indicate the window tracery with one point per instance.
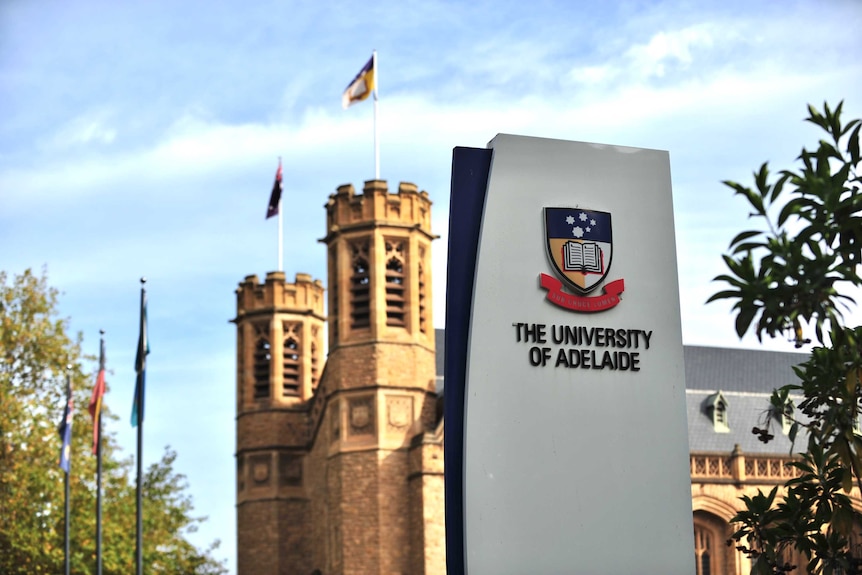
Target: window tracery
{"x": 360, "y": 297}
{"x": 290, "y": 361}
{"x": 395, "y": 283}
{"x": 261, "y": 364}
{"x": 703, "y": 550}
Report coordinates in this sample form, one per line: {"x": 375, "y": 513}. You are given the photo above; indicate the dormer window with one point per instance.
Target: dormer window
{"x": 720, "y": 416}
{"x": 716, "y": 407}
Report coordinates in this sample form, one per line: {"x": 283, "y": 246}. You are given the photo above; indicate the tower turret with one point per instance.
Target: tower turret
{"x": 279, "y": 363}
{"x": 379, "y": 387}
{"x": 379, "y": 270}
{"x": 339, "y": 468}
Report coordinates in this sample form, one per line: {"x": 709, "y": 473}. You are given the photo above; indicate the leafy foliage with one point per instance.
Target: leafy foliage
{"x": 790, "y": 276}
{"x": 36, "y": 354}
{"x": 792, "y": 271}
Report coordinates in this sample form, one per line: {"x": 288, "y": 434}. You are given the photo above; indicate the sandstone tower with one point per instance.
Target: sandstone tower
{"x": 339, "y": 467}
{"x": 279, "y": 358}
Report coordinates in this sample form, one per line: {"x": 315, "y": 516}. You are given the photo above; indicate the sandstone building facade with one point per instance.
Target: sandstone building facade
{"x": 340, "y": 443}
{"x": 340, "y": 458}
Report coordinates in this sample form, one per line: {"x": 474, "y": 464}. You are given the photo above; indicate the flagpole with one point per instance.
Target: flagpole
{"x": 139, "y": 393}
{"x": 376, "y": 141}
{"x": 67, "y": 492}
{"x": 99, "y": 465}
{"x": 280, "y": 228}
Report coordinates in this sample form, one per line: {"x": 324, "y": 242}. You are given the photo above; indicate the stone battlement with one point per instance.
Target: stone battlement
{"x": 408, "y": 207}
{"x": 304, "y": 296}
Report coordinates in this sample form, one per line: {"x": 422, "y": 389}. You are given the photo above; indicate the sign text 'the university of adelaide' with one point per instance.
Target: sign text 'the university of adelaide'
{"x": 583, "y": 347}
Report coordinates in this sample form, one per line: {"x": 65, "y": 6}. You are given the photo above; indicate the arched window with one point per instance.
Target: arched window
{"x": 262, "y": 358}
{"x": 395, "y": 292}
{"x": 711, "y": 554}
{"x": 290, "y": 367}
{"x": 703, "y": 551}
{"x": 360, "y": 311}
{"x": 396, "y": 283}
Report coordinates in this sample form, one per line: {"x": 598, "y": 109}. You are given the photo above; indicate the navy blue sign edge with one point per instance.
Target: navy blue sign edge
{"x": 470, "y": 170}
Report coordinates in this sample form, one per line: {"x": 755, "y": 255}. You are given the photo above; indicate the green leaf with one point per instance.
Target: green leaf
{"x": 853, "y": 145}
{"x": 743, "y": 320}
{"x": 779, "y": 186}
{"x": 815, "y": 118}
{"x": 744, "y": 236}
{"x": 791, "y": 435}
{"x": 793, "y": 207}
{"x": 746, "y": 247}
{"x": 723, "y": 295}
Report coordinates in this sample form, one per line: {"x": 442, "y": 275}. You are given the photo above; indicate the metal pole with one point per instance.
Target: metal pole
{"x": 376, "y": 141}
{"x": 139, "y": 528}
{"x": 280, "y": 225}
{"x": 66, "y": 556}
{"x": 99, "y": 500}
{"x": 99, "y": 466}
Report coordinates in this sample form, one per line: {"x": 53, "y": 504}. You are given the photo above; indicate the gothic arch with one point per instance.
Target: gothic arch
{"x": 711, "y": 554}
{"x": 714, "y": 506}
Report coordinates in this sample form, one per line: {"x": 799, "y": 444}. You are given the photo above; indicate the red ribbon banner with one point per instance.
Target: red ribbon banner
{"x": 609, "y": 298}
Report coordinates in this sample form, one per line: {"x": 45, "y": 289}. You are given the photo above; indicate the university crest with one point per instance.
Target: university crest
{"x": 579, "y": 245}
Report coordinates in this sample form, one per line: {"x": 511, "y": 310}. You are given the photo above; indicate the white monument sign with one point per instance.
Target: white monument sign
{"x": 574, "y": 453}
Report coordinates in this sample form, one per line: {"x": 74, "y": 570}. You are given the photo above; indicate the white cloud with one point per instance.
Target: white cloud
{"x": 669, "y": 49}
{"x": 591, "y": 75}
{"x": 87, "y": 129}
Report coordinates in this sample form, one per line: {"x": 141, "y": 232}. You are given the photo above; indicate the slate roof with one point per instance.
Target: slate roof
{"x": 748, "y": 370}
{"x": 744, "y": 411}
{"x": 746, "y": 379}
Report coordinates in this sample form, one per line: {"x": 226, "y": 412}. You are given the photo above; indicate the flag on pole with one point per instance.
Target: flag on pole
{"x": 95, "y": 406}
{"x": 138, "y": 421}
{"x": 65, "y": 428}
{"x": 141, "y": 365}
{"x": 361, "y": 87}
{"x": 275, "y": 196}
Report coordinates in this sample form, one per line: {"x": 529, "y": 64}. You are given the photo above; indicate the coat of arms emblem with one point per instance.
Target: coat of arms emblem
{"x": 579, "y": 245}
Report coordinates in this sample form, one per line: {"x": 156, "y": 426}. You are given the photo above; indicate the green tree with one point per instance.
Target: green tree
{"x": 35, "y": 350}
{"x": 791, "y": 276}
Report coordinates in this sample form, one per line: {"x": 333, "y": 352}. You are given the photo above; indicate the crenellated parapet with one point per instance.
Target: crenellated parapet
{"x": 409, "y": 208}
{"x": 279, "y": 340}
{"x": 304, "y": 296}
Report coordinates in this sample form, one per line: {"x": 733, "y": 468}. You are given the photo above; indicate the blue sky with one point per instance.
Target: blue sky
{"x": 141, "y": 139}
